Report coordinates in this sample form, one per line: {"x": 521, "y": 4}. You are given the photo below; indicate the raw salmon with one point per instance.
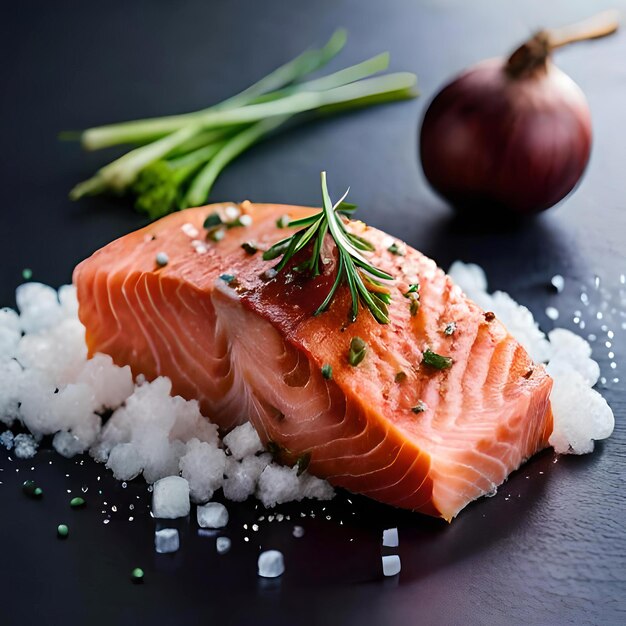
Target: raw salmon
{"x": 243, "y": 340}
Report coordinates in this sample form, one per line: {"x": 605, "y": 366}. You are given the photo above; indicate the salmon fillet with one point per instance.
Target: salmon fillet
{"x": 243, "y": 341}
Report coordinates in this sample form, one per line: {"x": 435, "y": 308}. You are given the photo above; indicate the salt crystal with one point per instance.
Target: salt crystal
{"x": 243, "y": 441}
{"x": 390, "y": 538}
{"x": 190, "y": 230}
{"x": 558, "y": 282}
{"x": 271, "y": 564}
{"x": 6, "y": 439}
{"x": 552, "y": 313}
{"x": 170, "y": 498}
{"x": 166, "y": 540}
{"x": 67, "y": 444}
{"x": 222, "y": 545}
{"x": 203, "y": 466}
{"x": 232, "y": 213}
{"x": 24, "y": 446}
{"x": 391, "y": 565}
{"x": 242, "y": 476}
{"x": 125, "y": 462}
{"x": 298, "y": 531}
{"x": 581, "y": 415}
{"x": 212, "y": 515}
{"x": 278, "y": 484}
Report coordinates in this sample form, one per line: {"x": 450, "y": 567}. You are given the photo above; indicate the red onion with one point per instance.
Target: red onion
{"x": 511, "y": 134}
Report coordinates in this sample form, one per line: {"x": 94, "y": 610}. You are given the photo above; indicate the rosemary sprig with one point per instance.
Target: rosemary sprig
{"x": 352, "y": 267}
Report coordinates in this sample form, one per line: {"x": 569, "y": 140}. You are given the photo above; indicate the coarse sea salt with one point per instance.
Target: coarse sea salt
{"x": 170, "y": 498}
{"x": 271, "y": 564}
{"x": 166, "y": 540}
{"x": 391, "y": 564}
{"x": 222, "y": 545}
{"x": 390, "y": 538}
{"x": 212, "y": 515}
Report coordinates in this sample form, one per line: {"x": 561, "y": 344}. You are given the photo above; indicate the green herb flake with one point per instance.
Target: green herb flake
{"x": 283, "y": 221}
{"x": 137, "y": 575}
{"x": 436, "y": 361}
{"x": 420, "y": 407}
{"x": 400, "y": 377}
{"x": 414, "y": 307}
{"x": 302, "y": 463}
{"x": 62, "y": 531}
{"x": 397, "y": 249}
{"x": 450, "y": 329}
{"x": 327, "y": 371}
{"x": 358, "y": 348}
{"x": 274, "y": 449}
{"x": 77, "y": 503}
{"x": 27, "y": 273}
{"x": 249, "y": 247}
{"x": 227, "y": 278}
{"x": 413, "y": 288}
{"x": 37, "y": 492}
{"x": 212, "y": 220}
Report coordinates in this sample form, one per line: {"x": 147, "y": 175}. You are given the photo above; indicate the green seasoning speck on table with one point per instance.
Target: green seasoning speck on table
{"x": 137, "y": 575}
{"x": 30, "y": 489}
{"x": 77, "y": 503}
{"x": 62, "y": 531}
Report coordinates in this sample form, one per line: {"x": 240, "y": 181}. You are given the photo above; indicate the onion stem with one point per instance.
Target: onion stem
{"x": 600, "y": 25}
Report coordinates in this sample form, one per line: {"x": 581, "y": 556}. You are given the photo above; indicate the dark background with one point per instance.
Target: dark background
{"x": 550, "y": 548}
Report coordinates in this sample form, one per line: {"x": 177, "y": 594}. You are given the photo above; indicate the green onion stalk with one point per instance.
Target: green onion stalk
{"x": 175, "y": 160}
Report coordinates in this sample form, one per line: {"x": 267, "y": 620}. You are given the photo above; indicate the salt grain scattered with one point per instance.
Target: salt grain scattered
{"x": 391, "y": 565}
{"x": 190, "y": 230}
{"x": 166, "y": 540}
{"x": 390, "y": 538}
{"x": 558, "y": 282}
{"x": 222, "y": 545}
{"x": 552, "y": 313}
{"x": 212, "y": 515}
{"x": 271, "y": 564}
{"x": 232, "y": 213}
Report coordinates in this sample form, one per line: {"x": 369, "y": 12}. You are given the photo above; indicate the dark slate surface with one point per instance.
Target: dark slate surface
{"x": 550, "y": 548}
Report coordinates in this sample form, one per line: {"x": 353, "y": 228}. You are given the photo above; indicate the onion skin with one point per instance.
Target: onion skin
{"x": 493, "y": 143}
